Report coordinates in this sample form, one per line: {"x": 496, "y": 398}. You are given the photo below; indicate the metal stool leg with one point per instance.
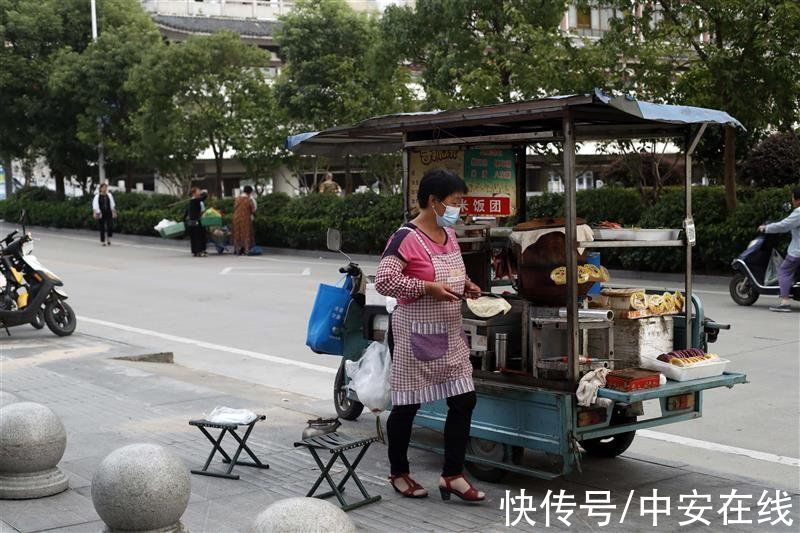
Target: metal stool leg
{"x": 217, "y": 447}
{"x": 243, "y": 446}
{"x": 324, "y": 474}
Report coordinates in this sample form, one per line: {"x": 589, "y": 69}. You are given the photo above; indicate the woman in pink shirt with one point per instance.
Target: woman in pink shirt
{"x": 422, "y": 267}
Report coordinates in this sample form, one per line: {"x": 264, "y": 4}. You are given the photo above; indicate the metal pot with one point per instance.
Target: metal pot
{"x": 321, "y": 426}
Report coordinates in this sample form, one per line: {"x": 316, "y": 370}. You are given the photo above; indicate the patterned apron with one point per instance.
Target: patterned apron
{"x": 431, "y": 355}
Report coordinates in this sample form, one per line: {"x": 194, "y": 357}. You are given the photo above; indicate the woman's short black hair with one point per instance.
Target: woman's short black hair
{"x": 441, "y": 183}
{"x": 796, "y": 193}
{"x": 248, "y": 189}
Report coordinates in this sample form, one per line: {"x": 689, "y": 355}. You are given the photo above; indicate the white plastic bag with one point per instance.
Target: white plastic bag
{"x": 164, "y": 223}
{"x": 771, "y": 275}
{"x": 228, "y": 415}
{"x": 369, "y": 377}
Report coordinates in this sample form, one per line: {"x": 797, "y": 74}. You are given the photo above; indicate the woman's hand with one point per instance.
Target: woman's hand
{"x": 114, "y": 213}
{"x": 762, "y": 228}
{"x": 471, "y": 290}
{"x": 438, "y": 291}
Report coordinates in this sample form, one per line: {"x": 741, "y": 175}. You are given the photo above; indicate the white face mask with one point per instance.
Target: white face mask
{"x": 449, "y": 217}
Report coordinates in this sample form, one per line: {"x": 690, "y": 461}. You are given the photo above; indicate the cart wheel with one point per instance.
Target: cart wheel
{"x": 742, "y": 291}
{"x": 345, "y": 407}
{"x": 611, "y": 446}
{"x": 494, "y": 451}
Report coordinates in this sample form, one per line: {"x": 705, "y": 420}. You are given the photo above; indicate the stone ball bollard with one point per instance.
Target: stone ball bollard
{"x": 300, "y": 515}
{"x": 7, "y": 398}
{"x": 32, "y": 442}
{"x": 141, "y": 487}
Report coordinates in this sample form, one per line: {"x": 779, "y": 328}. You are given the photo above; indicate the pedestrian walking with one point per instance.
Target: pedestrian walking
{"x": 105, "y": 211}
{"x": 194, "y": 212}
{"x": 243, "y": 211}
{"x": 422, "y": 267}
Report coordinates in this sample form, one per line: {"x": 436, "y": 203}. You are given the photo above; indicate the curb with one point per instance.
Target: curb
{"x": 366, "y": 258}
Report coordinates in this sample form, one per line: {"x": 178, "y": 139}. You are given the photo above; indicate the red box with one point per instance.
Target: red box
{"x": 632, "y": 379}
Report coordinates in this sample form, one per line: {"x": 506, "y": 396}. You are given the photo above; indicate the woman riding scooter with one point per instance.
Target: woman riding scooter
{"x": 791, "y": 264}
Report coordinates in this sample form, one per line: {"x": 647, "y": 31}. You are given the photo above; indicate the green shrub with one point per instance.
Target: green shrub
{"x": 367, "y": 220}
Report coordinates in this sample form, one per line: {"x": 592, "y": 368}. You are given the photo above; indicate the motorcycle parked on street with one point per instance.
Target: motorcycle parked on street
{"x": 29, "y": 292}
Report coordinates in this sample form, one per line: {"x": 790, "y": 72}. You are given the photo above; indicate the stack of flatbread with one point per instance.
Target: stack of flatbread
{"x": 586, "y": 274}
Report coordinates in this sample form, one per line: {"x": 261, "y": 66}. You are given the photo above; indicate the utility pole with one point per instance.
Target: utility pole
{"x": 101, "y": 157}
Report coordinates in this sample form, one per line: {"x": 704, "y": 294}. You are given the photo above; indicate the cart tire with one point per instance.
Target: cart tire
{"x": 742, "y": 291}
{"x": 496, "y": 451}
{"x": 345, "y": 408}
{"x": 611, "y": 446}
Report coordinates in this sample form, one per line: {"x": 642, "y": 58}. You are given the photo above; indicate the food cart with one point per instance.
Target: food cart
{"x": 524, "y": 404}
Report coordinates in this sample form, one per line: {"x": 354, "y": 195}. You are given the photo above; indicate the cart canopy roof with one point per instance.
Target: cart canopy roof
{"x": 596, "y": 116}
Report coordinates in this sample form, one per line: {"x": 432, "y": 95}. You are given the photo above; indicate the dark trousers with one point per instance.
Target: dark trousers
{"x": 106, "y": 225}
{"x": 197, "y": 236}
{"x": 456, "y": 434}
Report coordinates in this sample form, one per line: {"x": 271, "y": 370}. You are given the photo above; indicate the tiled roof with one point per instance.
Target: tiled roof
{"x": 205, "y": 25}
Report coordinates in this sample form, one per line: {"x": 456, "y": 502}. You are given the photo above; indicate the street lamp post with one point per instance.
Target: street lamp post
{"x": 101, "y": 158}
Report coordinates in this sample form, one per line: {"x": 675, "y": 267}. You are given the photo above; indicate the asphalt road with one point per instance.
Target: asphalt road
{"x": 245, "y": 318}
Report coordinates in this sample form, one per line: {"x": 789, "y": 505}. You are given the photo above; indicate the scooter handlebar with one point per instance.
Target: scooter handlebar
{"x": 10, "y": 237}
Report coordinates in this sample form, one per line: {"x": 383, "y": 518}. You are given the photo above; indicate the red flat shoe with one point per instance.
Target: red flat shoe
{"x": 471, "y": 495}
{"x": 413, "y": 486}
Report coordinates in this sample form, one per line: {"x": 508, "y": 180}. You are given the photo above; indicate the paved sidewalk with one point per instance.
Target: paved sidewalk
{"x": 106, "y": 403}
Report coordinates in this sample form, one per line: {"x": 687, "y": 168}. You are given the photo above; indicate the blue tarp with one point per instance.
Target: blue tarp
{"x": 674, "y": 114}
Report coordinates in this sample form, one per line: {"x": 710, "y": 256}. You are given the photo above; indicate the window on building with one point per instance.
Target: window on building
{"x": 584, "y": 17}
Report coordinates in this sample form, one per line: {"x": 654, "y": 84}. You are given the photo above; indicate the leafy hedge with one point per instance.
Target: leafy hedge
{"x": 720, "y": 236}
{"x": 366, "y": 220}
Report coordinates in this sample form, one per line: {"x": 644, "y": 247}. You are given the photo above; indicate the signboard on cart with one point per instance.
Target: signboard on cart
{"x": 490, "y": 174}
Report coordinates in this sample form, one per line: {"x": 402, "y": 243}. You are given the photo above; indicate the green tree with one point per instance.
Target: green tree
{"x": 336, "y": 70}
{"x": 481, "y": 51}
{"x": 260, "y": 139}
{"x": 95, "y": 81}
{"x": 199, "y": 94}
{"x": 739, "y": 55}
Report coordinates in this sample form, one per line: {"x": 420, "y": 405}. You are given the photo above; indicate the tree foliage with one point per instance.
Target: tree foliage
{"x": 208, "y": 91}
{"x": 336, "y": 70}
{"x": 739, "y": 55}
{"x": 774, "y": 162}
{"x": 94, "y": 81}
{"x": 481, "y": 51}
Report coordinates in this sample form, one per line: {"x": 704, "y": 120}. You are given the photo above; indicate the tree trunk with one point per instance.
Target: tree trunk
{"x": 348, "y": 176}
{"x": 128, "y": 176}
{"x": 59, "y": 177}
{"x": 218, "y": 184}
{"x": 730, "y": 168}
{"x": 9, "y": 176}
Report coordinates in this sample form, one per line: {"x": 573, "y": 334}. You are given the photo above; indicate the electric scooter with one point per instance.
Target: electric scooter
{"x": 750, "y": 270}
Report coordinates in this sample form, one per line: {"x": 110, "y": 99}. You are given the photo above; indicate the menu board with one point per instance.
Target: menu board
{"x": 421, "y": 161}
{"x": 490, "y": 175}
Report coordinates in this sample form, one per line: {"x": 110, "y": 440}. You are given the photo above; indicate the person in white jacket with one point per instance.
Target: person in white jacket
{"x": 791, "y": 264}
{"x": 105, "y": 211}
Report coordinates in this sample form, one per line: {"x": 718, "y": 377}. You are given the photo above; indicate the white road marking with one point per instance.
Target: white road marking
{"x": 225, "y": 271}
{"x": 209, "y": 346}
{"x": 721, "y": 448}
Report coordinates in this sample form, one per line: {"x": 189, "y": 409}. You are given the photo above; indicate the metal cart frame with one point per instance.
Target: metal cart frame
{"x": 524, "y": 411}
